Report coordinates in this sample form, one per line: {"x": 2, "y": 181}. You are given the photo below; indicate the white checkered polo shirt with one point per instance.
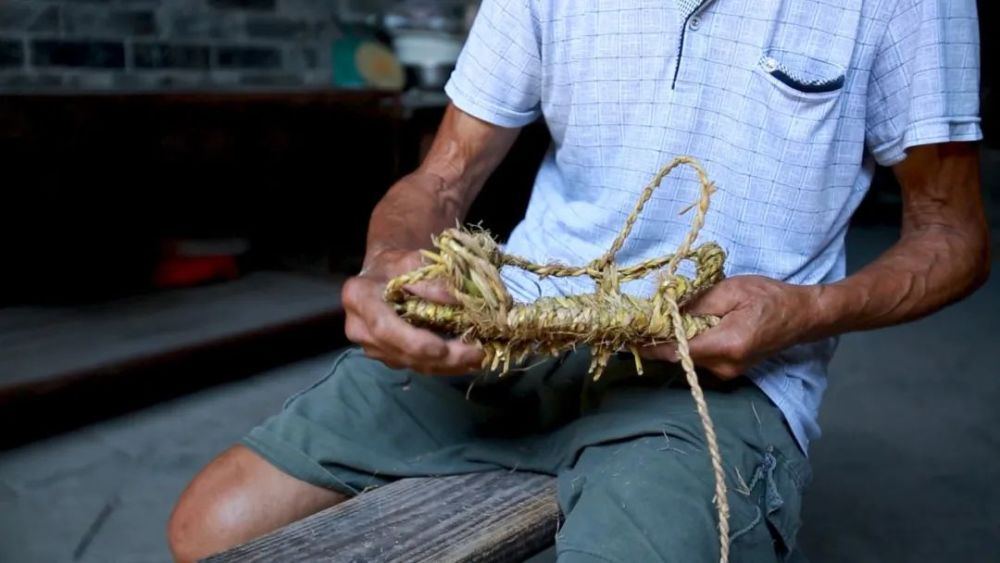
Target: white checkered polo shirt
{"x": 789, "y": 104}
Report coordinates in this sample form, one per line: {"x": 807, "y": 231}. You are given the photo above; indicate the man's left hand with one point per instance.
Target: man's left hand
{"x": 759, "y": 317}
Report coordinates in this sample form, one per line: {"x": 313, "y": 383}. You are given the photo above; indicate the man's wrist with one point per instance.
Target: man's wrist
{"x": 378, "y": 258}
{"x": 827, "y": 311}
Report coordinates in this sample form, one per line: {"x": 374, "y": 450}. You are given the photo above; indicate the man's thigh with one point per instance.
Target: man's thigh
{"x": 365, "y": 424}
{"x": 649, "y": 498}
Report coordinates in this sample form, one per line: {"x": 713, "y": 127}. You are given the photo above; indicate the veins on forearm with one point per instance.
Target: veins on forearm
{"x": 942, "y": 254}
{"x": 418, "y": 206}
{"x": 930, "y": 267}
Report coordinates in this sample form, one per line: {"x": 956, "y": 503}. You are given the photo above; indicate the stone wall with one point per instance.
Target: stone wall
{"x": 169, "y": 44}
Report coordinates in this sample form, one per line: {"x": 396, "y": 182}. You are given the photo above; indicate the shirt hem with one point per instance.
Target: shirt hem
{"x": 491, "y": 113}
{"x": 927, "y": 132}
{"x": 791, "y": 415}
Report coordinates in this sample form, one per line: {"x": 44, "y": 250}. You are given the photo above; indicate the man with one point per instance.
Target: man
{"x": 789, "y": 104}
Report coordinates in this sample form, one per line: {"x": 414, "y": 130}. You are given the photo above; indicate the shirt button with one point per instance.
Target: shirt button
{"x": 770, "y": 64}
{"x": 694, "y": 24}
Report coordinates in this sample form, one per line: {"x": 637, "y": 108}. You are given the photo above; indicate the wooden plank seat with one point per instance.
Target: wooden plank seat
{"x": 498, "y": 516}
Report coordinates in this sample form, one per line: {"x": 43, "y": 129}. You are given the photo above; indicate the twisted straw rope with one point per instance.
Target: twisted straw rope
{"x": 607, "y": 320}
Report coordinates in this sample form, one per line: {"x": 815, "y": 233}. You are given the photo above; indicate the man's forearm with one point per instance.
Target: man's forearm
{"x": 942, "y": 255}
{"x": 919, "y": 275}
{"x": 416, "y": 207}
{"x": 431, "y": 199}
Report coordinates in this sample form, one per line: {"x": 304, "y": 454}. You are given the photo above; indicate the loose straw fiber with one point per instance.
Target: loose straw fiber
{"x": 607, "y": 320}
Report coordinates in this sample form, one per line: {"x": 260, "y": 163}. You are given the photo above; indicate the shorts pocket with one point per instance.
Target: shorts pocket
{"x": 775, "y": 510}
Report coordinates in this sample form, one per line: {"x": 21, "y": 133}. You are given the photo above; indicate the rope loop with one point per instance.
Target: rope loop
{"x": 607, "y": 320}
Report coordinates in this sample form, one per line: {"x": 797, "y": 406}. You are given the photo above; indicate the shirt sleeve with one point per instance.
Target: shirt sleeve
{"x": 924, "y": 85}
{"x": 498, "y": 74}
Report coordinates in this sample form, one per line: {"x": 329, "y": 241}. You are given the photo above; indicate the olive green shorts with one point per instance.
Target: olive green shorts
{"x": 634, "y": 479}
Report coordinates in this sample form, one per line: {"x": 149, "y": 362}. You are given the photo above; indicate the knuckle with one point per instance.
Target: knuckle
{"x": 353, "y": 329}
{"x": 410, "y": 261}
{"x": 352, "y": 333}
{"x": 735, "y": 349}
{"x": 350, "y": 292}
{"x": 428, "y": 349}
{"x": 391, "y": 360}
{"x": 729, "y": 371}
{"x": 379, "y": 329}
{"x": 350, "y": 286}
{"x": 373, "y": 352}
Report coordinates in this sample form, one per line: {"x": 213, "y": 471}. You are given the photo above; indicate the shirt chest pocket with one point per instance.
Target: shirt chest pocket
{"x": 796, "y": 101}
{"x": 800, "y": 72}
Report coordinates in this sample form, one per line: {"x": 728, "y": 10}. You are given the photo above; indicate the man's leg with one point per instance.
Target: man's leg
{"x": 649, "y": 497}
{"x": 360, "y": 427}
{"x": 237, "y": 497}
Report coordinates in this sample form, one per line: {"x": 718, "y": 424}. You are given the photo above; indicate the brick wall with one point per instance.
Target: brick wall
{"x": 167, "y": 44}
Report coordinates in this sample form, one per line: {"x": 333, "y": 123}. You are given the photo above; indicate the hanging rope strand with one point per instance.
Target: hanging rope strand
{"x": 607, "y": 320}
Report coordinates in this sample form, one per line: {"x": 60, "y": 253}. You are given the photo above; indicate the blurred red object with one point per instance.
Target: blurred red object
{"x": 190, "y": 271}
{"x": 191, "y": 263}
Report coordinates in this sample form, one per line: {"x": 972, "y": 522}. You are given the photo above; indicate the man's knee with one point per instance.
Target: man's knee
{"x": 212, "y": 513}
{"x": 237, "y": 497}
{"x": 198, "y": 528}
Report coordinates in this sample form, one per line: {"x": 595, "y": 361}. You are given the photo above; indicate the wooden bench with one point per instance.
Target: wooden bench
{"x": 499, "y": 516}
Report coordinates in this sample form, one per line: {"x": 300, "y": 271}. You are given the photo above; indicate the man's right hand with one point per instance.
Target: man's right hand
{"x": 429, "y": 200}
{"x": 375, "y": 326}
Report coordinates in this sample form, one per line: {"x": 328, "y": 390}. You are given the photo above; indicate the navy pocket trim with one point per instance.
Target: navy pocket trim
{"x": 816, "y": 86}
{"x": 807, "y": 87}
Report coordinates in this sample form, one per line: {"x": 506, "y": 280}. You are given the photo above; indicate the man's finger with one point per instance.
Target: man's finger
{"x": 434, "y": 291}
{"x": 400, "y": 344}
{"x": 666, "y": 352}
{"x": 358, "y": 333}
{"x": 355, "y": 330}
{"x": 461, "y": 360}
{"x": 384, "y": 329}
{"x": 718, "y": 301}
{"x": 392, "y": 332}
{"x": 725, "y": 343}
{"x": 463, "y": 355}
{"x": 413, "y": 344}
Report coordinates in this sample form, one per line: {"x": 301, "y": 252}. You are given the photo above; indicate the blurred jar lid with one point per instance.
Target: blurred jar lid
{"x": 424, "y": 15}
{"x": 426, "y": 48}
